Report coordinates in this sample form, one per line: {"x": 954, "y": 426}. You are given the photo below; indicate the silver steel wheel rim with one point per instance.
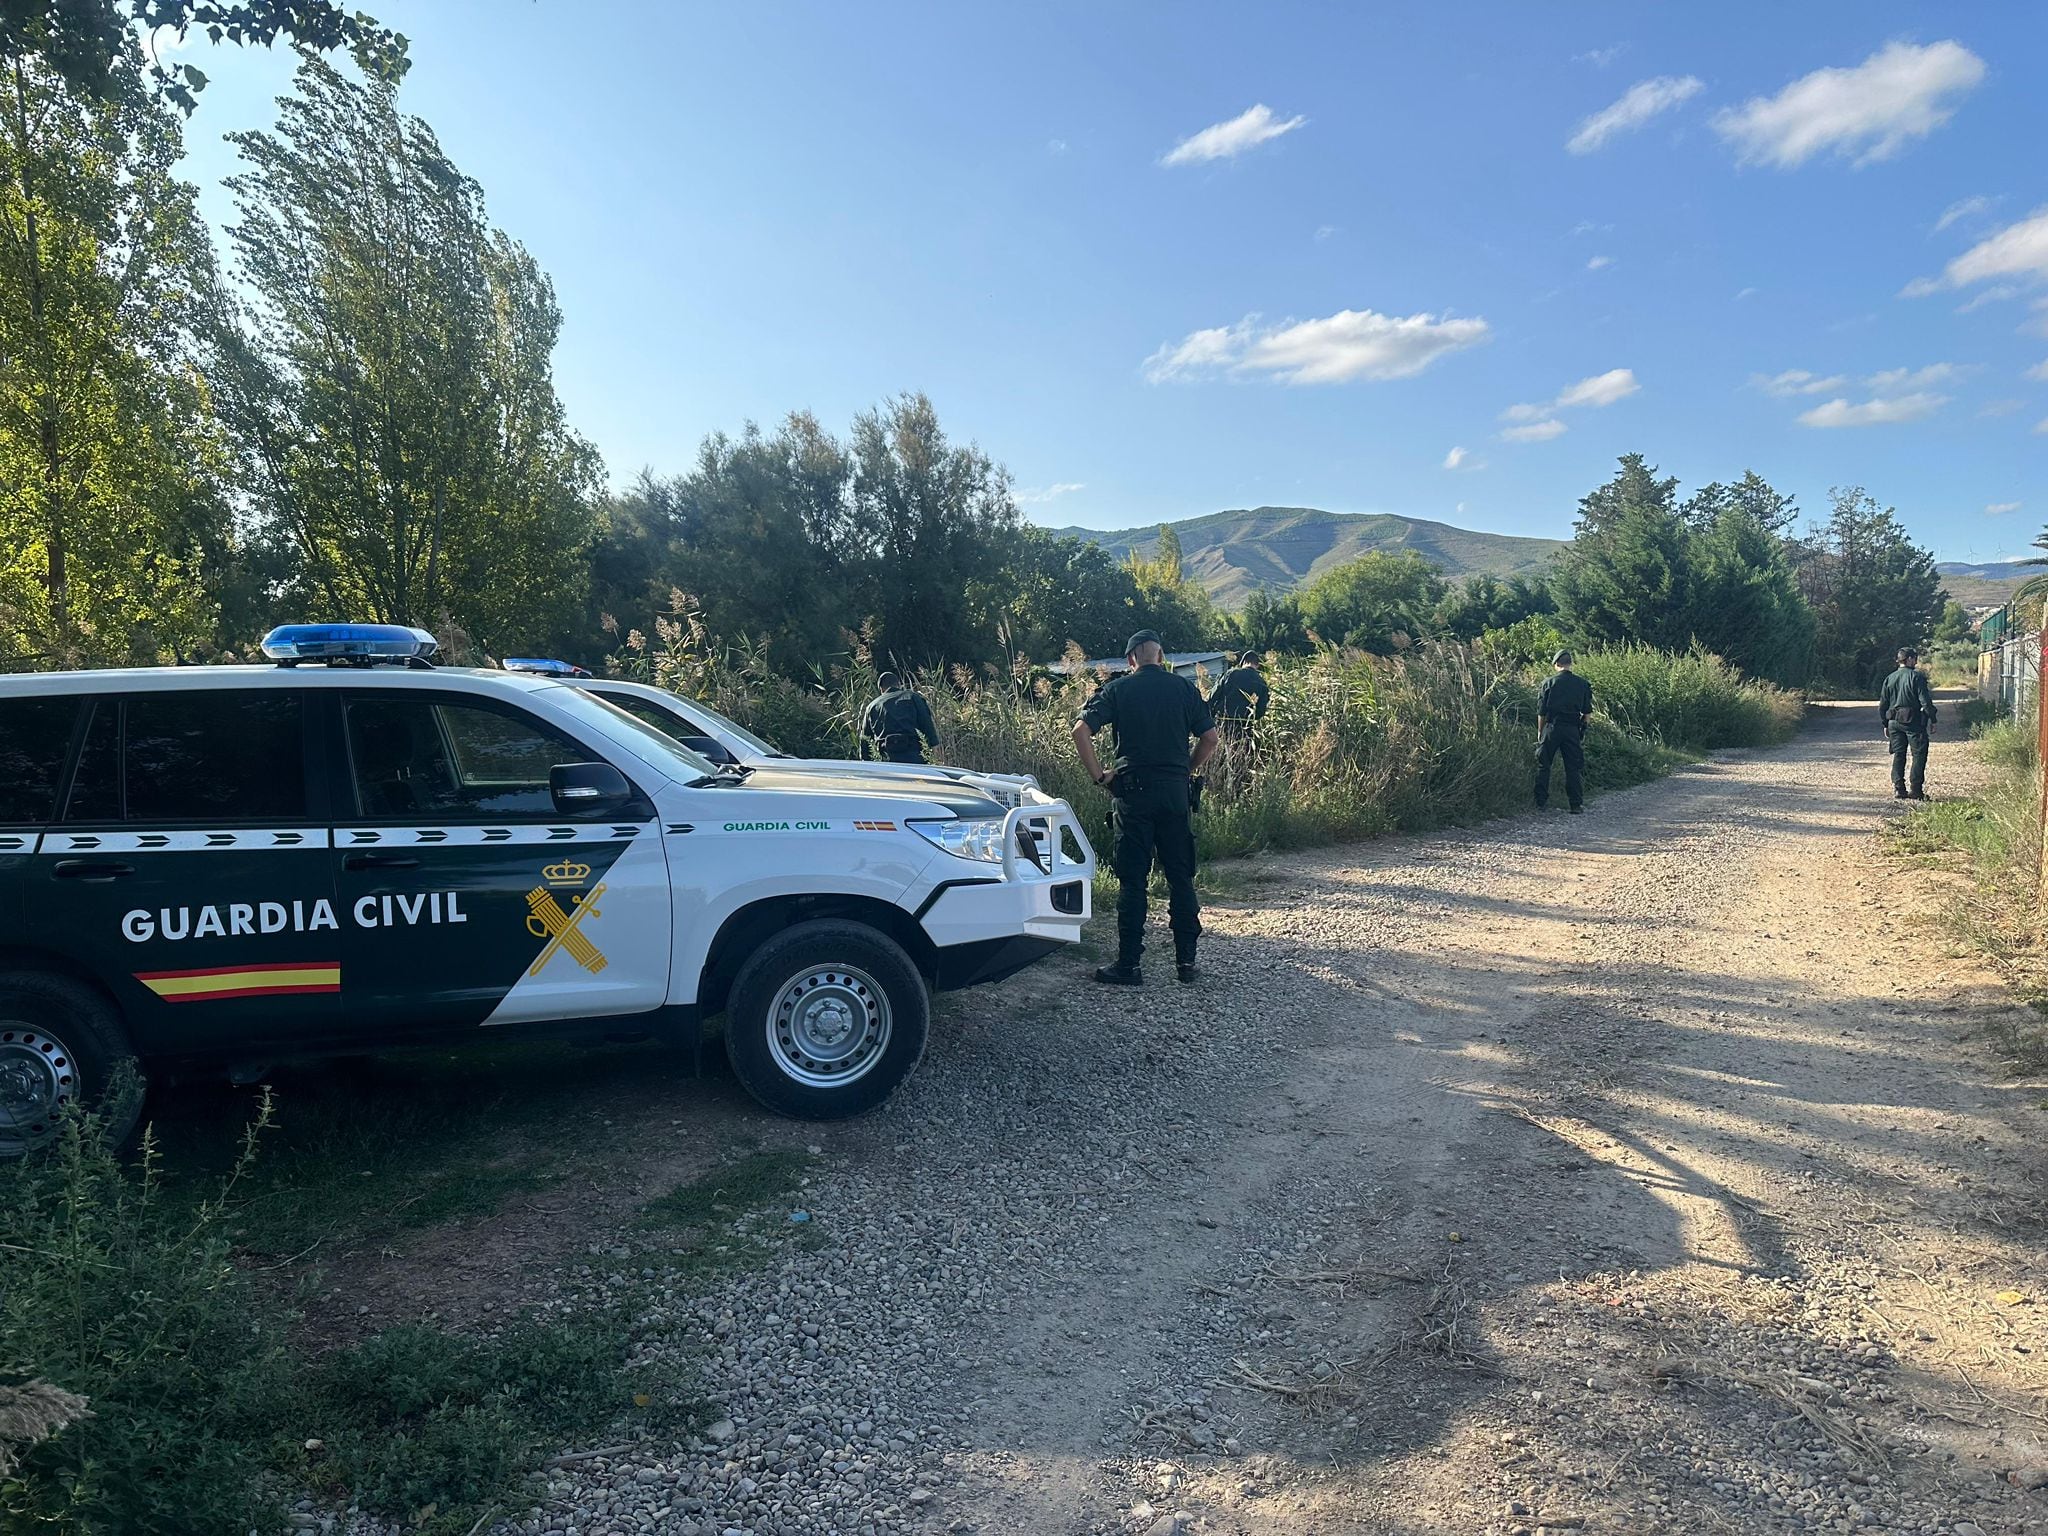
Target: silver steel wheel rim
{"x": 829, "y": 1025}
{"x": 38, "y": 1078}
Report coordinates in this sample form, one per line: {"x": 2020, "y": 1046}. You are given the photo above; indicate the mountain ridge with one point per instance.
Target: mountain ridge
{"x": 1238, "y": 551}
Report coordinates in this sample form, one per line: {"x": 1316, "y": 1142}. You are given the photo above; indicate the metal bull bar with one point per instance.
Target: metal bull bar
{"x": 1034, "y": 849}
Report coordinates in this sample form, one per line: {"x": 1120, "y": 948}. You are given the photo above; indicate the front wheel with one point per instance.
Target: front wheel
{"x": 61, "y": 1046}
{"x": 826, "y": 1019}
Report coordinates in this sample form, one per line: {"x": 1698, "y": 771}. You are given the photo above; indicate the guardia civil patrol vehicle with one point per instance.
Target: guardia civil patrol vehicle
{"x": 353, "y": 849}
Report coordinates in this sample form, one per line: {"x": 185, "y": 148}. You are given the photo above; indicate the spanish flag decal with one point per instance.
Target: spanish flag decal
{"x": 220, "y": 983}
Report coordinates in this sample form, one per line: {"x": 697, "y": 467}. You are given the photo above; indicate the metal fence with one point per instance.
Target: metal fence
{"x": 2009, "y": 672}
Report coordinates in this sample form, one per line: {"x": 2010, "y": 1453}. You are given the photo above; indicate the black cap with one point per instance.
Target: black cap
{"x": 1143, "y": 637}
{"x": 1561, "y": 659}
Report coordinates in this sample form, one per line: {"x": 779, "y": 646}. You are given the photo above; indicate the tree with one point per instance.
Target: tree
{"x": 393, "y": 379}
{"x": 1872, "y": 589}
{"x": 1269, "y": 623}
{"x": 112, "y": 501}
{"x": 1746, "y": 605}
{"x": 1954, "y": 626}
{"x": 1170, "y": 601}
{"x": 1483, "y": 601}
{"x": 1377, "y": 602}
{"x": 1628, "y": 575}
{"x": 86, "y": 45}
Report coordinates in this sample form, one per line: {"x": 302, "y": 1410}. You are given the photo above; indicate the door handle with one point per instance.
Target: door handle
{"x": 379, "y": 861}
{"x": 92, "y": 871}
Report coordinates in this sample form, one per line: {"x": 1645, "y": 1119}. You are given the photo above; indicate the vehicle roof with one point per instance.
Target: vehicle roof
{"x": 304, "y": 675}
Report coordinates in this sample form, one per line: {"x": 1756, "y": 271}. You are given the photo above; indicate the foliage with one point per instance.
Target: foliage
{"x": 1871, "y": 588}
{"x": 1953, "y": 626}
{"x": 1687, "y": 698}
{"x": 114, "y": 523}
{"x": 1482, "y": 602}
{"x": 392, "y": 383}
{"x": 1268, "y": 624}
{"x": 86, "y": 44}
{"x": 1379, "y": 602}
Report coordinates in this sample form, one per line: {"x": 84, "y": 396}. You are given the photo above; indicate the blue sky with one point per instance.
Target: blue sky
{"x": 1543, "y": 234}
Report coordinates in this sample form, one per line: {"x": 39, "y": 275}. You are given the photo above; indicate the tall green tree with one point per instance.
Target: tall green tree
{"x": 1483, "y": 601}
{"x": 1377, "y": 602}
{"x": 394, "y": 379}
{"x": 1872, "y": 589}
{"x": 1746, "y": 603}
{"x": 113, "y": 514}
{"x": 1628, "y": 575}
{"x": 1269, "y": 623}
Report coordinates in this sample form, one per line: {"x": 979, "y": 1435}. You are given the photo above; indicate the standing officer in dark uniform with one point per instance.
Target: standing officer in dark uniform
{"x": 1153, "y": 712}
{"x": 1564, "y": 707}
{"x": 1241, "y": 697}
{"x": 1905, "y": 707}
{"x": 897, "y": 724}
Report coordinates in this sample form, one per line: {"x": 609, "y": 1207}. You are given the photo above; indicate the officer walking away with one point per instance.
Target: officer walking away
{"x": 1241, "y": 697}
{"x": 897, "y": 725}
{"x": 1905, "y": 707}
{"x": 1564, "y": 707}
{"x": 1153, "y": 783}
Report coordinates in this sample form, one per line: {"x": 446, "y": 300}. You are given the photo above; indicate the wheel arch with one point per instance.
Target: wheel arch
{"x": 744, "y": 930}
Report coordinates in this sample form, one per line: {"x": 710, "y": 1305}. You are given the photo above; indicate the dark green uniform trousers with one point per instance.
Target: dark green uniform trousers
{"x": 1903, "y": 741}
{"x": 1151, "y": 817}
{"x": 1562, "y": 739}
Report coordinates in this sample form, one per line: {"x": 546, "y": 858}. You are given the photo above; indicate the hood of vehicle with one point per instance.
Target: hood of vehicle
{"x": 905, "y": 794}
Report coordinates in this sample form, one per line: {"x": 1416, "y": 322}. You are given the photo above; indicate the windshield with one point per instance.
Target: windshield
{"x": 576, "y": 700}
{"x": 732, "y": 728}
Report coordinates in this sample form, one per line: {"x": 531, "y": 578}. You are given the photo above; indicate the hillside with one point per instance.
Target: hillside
{"x": 1983, "y": 586}
{"x": 1236, "y": 553}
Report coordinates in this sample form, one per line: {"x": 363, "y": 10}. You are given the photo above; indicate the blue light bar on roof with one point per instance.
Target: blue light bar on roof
{"x": 544, "y": 666}
{"x": 348, "y": 642}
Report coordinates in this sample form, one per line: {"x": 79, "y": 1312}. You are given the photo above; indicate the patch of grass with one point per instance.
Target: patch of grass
{"x": 750, "y": 1183}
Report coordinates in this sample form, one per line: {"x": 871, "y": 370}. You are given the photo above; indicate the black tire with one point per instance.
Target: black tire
{"x": 61, "y": 1043}
{"x": 800, "y": 988}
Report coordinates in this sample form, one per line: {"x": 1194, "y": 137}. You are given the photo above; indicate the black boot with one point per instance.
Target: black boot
{"x": 1900, "y": 793}
{"x": 1120, "y": 975}
{"x": 1185, "y": 970}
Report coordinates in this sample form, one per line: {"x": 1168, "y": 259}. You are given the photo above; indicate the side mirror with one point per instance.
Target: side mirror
{"x": 589, "y": 789}
{"x": 709, "y": 750}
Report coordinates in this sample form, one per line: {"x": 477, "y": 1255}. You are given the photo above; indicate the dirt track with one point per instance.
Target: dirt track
{"x": 1629, "y": 1172}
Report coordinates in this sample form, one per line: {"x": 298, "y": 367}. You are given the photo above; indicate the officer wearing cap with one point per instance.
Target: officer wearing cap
{"x": 1564, "y": 707}
{"x": 1905, "y": 706}
{"x": 1154, "y": 713}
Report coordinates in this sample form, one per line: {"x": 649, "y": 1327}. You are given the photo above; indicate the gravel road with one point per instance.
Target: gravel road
{"x": 1629, "y": 1172}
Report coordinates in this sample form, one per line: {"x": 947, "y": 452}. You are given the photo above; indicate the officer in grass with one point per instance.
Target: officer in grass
{"x": 1563, "y": 709}
{"x": 1905, "y": 707}
{"x": 1241, "y": 698}
{"x": 1154, "y": 713}
{"x": 897, "y": 724}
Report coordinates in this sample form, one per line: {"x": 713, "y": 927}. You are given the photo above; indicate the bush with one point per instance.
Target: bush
{"x": 1688, "y": 699}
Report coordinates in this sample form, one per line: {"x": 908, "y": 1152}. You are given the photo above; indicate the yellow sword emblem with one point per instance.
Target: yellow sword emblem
{"x": 546, "y": 919}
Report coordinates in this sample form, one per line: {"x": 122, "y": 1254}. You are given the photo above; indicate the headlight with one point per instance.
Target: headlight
{"x": 980, "y": 838}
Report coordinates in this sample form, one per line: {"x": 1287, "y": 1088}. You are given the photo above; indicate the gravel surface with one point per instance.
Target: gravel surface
{"x": 1627, "y": 1172}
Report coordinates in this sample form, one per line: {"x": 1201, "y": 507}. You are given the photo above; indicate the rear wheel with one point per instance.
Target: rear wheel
{"x": 61, "y": 1045}
{"x": 826, "y": 1019}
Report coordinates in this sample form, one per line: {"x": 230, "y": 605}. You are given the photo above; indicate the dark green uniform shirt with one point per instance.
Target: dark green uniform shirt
{"x": 1565, "y": 696}
{"x": 1907, "y": 688}
{"x": 1153, "y": 712}
{"x": 1242, "y": 695}
{"x": 900, "y": 712}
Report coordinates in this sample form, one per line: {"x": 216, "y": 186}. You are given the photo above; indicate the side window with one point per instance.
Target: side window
{"x": 423, "y": 759}
{"x": 35, "y": 737}
{"x": 96, "y": 784}
{"x": 648, "y": 714}
{"x": 221, "y": 757}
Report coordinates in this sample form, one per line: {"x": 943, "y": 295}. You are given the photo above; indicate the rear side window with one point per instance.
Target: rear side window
{"x": 190, "y": 756}
{"x": 416, "y": 758}
{"x": 35, "y": 735}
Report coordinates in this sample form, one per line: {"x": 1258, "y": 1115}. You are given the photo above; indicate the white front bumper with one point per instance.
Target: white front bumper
{"x": 1047, "y": 898}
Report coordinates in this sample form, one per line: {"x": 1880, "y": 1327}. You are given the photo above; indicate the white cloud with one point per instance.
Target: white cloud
{"x": 1053, "y": 492}
{"x": 1598, "y": 262}
{"x": 1743, "y": 294}
{"x": 1964, "y": 208}
{"x": 2039, "y": 371}
{"x": 1894, "y": 380}
{"x": 1324, "y": 231}
{"x": 1641, "y": 102}
{"x": 1997, "y": 293}
{"x": 1872, "y": 111}
{"x": 1220, "y": 141}
{"x": 2000, "y": 508}
{"x": 1536, "y": 431}
{"x": 2041, "y": 426}
{"x": 1351, "y": 344}
{"x": 1454, "y": 458}
{"x": 1873, "y": 413}
{"x": 1056, "y": 146}
{"x": 2002, "y": 407}
{"x": 1797, "y": 381}
{"x": 2018, "y": 251}
{"x": 1600, "y": 58}
{"x": 1600, "y": 390}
